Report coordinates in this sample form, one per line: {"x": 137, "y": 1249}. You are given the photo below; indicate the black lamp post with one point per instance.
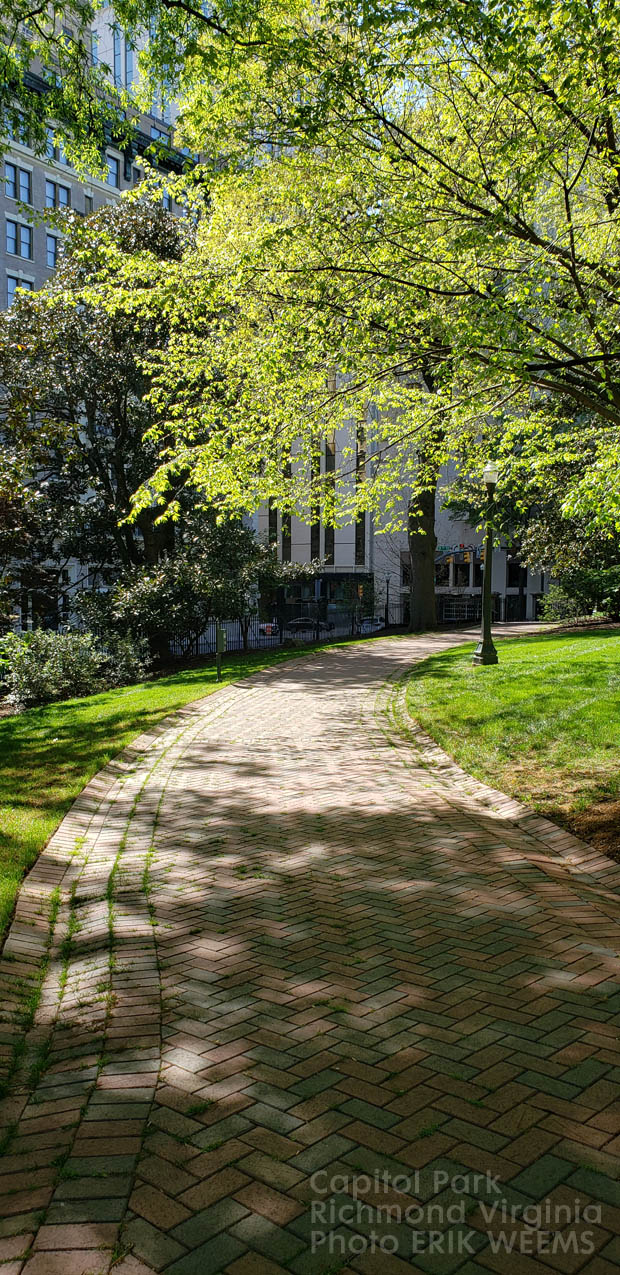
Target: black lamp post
{"x": 485, "y": 652}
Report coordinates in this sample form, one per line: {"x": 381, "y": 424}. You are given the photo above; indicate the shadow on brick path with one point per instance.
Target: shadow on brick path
{"x": 315, "y": 1001}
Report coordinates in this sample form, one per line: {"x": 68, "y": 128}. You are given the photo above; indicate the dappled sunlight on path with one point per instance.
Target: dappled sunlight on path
{"x": 300, "y": 956}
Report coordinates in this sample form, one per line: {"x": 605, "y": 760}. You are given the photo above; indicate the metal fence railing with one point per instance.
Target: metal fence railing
{"x": 280, "y": 630}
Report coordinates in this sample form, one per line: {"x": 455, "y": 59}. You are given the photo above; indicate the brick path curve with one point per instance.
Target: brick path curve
{"x": 312, "y": 1000}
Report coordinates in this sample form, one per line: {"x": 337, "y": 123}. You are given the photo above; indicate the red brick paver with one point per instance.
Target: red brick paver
{"x": 314, "y": 999}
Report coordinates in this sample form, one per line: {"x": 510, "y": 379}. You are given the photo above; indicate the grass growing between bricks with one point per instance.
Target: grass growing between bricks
{"x": 541, "y": 725}
{"x": 48, "y": 754}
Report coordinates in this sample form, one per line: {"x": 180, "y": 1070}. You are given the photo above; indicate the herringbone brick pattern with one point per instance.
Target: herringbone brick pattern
{"x": 314, "y": 1000}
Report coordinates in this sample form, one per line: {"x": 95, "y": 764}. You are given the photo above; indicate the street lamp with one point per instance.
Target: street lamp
{"x": 485, "y": 652}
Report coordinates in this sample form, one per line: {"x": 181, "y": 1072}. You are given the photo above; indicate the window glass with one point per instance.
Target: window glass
{"x": 117, "y": 57}
{"x": 113, "y": 170}
{"x": 26, "y": 242}
{"x": 50, "y": 195}
{"x": 52, "y": 251}
{"x": 25, "y": 186}
{"x": 11, "y": 237}
{"x": 10, "y": 179}
{"x": 12, "y": 284}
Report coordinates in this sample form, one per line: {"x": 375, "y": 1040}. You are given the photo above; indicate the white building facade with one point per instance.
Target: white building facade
{"x": 366, "y": 570}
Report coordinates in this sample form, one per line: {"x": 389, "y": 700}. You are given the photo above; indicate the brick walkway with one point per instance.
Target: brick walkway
{"x": 312, "y": 1000}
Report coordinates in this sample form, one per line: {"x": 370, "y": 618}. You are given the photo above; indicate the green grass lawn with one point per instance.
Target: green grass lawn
{"x": 48, "y": 754}
{"x": 542, "y": 725}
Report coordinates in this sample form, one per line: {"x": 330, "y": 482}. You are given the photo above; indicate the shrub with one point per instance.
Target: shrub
{"x": 582, "y": 592}
{"x": 43, "y": 665}
{"x": 557, "y": 604}
{"x": 125, "y": 658}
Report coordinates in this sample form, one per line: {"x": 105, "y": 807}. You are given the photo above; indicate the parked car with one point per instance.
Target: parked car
{"x": 307, "y": 624}
{"x": 370, "y": 624}
{"x": 268, "y": 628}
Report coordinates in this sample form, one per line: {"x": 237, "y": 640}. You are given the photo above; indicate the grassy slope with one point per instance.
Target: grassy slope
{"x": 48, "y": 754}
{"x": 542, "y": 725}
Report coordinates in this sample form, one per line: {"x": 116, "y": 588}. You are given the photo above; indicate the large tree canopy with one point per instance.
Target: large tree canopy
{"x": 419, "y": 198}
{"x": 423, "y": 198}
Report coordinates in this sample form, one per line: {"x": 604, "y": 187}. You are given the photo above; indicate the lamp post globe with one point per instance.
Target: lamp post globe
{"x": 485, "y": 652}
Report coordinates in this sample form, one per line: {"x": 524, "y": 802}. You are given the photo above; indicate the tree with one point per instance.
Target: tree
{"x": 395, "y": 190}
{"x": 49, "y": 72}
{"x": 449, "y": 177}
{"x": 218, "y": 572}
{"x": 73, "y": 408}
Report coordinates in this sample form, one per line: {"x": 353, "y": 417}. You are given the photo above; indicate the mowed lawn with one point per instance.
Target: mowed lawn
{"x": 542, "y": 725}
{"x": 48, "y": 754}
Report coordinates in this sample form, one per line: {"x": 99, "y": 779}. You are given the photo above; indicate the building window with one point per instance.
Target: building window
{"x": 516, "y": 575}
{"x": 286, "y": 537}
{"x": 51, "y": 251}
{"x": 116, "y": 39}
{"x": 461, "y": 575}
{"x": 54, "y": 149}
{"x": 330, "y": 471}
{"x": 329, "y": 546}
{"x": 167, "y": 201}
{"x": 128, "y": 64}
{"x": 94, "y": 48}
{"x": 56, "y": 195}
{"x": 315, "y": 540}
{"x": 360, "y": 477}
{"x": 19, "y": 240}
{"x": 442, "y": 574}
{"x": 273, "y": 522}
{"x": 12, "y": 284}
{"x": 10, "y": 180}
{"x": 18, "y": 129}
{"x": 18, "y": 183}
{"x": 114, "y": 169}
{"x": 88, "y": 204}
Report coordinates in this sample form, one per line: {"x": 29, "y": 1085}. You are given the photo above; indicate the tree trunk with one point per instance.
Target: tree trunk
{"x": 422, "y": 543}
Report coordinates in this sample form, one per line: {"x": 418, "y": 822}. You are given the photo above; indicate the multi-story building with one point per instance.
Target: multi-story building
{"x": 365, "y": 570}
{"x": 33, "y": 183}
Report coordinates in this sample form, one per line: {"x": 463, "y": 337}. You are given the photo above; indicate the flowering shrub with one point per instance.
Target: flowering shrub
{"x": 42, "y": 666}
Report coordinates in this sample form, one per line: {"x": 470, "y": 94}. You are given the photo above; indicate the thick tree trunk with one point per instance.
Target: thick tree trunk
{"x": 422, "y": 543}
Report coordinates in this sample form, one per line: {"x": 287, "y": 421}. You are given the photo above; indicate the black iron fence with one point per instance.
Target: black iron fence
{"x": 288, "y": 627}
